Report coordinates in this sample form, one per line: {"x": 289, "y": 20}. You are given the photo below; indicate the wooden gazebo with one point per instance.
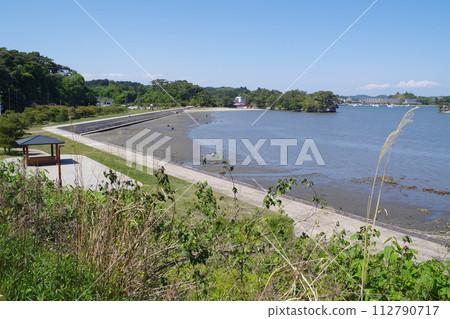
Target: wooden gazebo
{"x": 54, "y": 158}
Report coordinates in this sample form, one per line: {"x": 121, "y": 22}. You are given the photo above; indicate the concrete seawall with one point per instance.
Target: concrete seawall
{"x": 117, "y": 122}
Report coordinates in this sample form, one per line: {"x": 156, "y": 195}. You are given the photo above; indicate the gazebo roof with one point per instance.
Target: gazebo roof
{"x": 38, "y": 140}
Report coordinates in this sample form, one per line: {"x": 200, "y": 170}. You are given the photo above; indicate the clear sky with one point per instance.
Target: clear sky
{"x": 399, "y": 45}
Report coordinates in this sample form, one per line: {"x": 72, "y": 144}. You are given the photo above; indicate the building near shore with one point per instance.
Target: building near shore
{"x": 239, "y": 100}
{"x": 377, "y": 100}
{"x": 411, "y": 102}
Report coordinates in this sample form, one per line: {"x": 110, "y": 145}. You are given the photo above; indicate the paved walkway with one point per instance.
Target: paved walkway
{"x": 76, "y": 170}
{"x": 308, "y": 219}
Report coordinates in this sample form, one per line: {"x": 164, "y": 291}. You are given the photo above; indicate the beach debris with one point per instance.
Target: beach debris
{"x": 432, "y": 190}
{"x": 385, "y": 179}
{"x": 408, "y": 187}
{"x": 390, "y": 180}
{"x": 424, "y": 211}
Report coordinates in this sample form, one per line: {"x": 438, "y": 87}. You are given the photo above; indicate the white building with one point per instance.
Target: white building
{"x": 411, "y": 102}
{"x": 377, "y": 100}
{"x": 239, "y": 100}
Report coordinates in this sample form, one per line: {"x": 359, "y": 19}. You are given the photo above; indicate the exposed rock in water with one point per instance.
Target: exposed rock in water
{"x": 390, "y": 180}
{"x": 385, "y": 179}
{"x": 408, "y": 187}
{"x": 432, "y": 190}
{"x": 423, "y": 211}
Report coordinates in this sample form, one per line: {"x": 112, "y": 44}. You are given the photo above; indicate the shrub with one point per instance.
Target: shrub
{"x": 124, "y": 243}
{"x": 12, "y": 127}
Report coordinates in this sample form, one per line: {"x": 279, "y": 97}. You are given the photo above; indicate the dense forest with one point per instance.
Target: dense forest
{"x": 28, "y": 79}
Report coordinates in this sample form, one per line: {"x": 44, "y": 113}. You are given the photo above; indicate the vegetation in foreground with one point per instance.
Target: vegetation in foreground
{"x": 124, "y": 243}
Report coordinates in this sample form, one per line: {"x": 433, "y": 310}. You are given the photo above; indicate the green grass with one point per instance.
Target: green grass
{"x": 14, "y": 153}
{"x": 123, "y": 244}
{"x": 41, "y": 273}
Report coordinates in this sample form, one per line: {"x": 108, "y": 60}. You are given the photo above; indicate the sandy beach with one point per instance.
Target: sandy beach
{"x": 308, "y": 219}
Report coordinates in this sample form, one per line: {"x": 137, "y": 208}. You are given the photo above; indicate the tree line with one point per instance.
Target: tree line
{"x": 14, "y": 125}
{"x": 182, "y": 93}
{"x": 28, "y": 79}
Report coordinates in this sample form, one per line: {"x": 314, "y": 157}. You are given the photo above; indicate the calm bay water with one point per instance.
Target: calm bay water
{"x": 349, "y": 142}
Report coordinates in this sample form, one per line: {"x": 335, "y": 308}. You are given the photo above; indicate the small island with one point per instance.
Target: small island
{"x": 444, "y": 109}
{"x": 294, "y": 100}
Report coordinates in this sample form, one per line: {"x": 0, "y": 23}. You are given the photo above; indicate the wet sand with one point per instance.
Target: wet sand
{"x": 343, "y": 196}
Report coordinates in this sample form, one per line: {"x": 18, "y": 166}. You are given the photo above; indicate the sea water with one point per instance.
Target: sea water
{"x": 349, "y": 142}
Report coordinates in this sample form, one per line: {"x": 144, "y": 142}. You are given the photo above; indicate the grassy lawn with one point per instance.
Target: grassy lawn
{"x": 14, "y": 153}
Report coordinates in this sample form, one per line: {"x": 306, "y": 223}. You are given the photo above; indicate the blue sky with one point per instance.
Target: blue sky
{"x": 399, "y": 45}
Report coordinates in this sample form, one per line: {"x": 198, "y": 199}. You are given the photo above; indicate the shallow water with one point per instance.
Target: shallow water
{"x": 349, "y": 142}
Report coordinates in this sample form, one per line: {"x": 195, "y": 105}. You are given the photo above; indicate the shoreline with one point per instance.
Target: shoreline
{"x": 347, "y": 196}
{"x": 307, "y": 218}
